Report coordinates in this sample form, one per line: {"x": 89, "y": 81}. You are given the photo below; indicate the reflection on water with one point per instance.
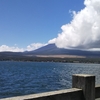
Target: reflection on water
{"x": 20, "y": 78}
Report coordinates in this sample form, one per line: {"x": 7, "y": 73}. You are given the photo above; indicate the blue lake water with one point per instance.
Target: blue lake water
{"x": 21, "y": 78}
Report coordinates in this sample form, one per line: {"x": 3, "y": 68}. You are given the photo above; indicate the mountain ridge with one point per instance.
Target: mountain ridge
{"x": 52, "y": 49}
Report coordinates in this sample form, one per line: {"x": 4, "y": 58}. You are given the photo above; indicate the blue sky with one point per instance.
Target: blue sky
{"x": 25, "y": 23}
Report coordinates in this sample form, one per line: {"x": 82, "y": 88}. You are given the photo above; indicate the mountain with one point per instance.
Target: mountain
{"x": 51, "y": 49}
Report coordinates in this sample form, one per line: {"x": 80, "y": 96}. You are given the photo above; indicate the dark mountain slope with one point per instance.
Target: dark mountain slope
{"x": 51, "y": 49}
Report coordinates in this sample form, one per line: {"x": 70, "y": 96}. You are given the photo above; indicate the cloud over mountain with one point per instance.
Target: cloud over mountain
{"x": 83, "y": 32}
{"x": 34, "y": 46}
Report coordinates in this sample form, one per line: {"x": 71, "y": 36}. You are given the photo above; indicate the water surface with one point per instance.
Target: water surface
{"x": 21, "y": 78}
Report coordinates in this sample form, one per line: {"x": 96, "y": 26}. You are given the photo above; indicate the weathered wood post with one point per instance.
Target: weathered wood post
{"x": 86, "y": 83}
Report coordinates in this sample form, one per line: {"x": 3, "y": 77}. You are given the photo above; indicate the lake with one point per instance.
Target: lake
{"x": 21, "y": 78}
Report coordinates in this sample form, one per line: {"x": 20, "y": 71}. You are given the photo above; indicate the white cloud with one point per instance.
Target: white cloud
{"x": 13, "y": 49}
{"x": 52, "y": 41}
{"x": 34, "y": 46}
{"x": 94, "y": 49}
{"x": 83, "y": 32}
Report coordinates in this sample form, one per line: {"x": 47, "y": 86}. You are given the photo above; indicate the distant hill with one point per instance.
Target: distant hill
{"x": 51, "y": 49}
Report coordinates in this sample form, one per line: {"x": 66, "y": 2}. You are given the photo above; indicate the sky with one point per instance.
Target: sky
{"x": 30, "y": 24}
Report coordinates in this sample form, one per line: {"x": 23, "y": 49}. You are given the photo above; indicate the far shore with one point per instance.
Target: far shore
{"x": 53, "y": 58}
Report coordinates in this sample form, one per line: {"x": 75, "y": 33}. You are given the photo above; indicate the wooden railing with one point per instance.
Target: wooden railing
{"x": 83, "y": 88}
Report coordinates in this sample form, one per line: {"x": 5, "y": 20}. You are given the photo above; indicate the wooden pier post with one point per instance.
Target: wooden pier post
{"x": 86, "y": 83}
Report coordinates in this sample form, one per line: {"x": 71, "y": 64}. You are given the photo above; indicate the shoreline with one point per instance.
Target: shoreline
{"x": 50, "y": 59}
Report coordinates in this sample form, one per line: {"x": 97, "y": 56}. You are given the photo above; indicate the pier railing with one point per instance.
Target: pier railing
{"x": 83, "y": 88}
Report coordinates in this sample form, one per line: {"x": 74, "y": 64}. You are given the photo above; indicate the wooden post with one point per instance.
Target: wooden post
{"x": 86, "y": 83}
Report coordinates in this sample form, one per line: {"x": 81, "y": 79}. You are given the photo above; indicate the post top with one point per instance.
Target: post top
{"x": 83, "y": 75}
